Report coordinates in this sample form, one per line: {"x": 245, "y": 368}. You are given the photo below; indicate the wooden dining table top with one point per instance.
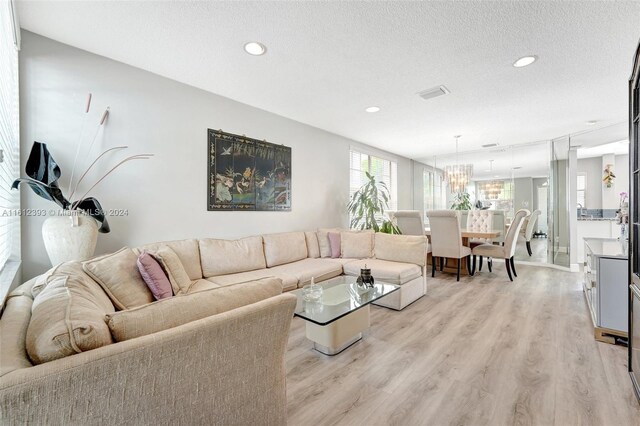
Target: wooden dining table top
{"x": 471, "y": 234}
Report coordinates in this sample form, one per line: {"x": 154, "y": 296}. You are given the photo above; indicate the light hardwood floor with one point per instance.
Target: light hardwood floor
{"x": 483, "y": 351}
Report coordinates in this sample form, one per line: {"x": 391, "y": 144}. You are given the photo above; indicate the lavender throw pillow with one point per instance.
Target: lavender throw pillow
{"x": 334, "y": 243}
{"x": 155, "y": 277}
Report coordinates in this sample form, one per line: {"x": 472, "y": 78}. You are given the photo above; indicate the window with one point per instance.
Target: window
{"x": 581, "y": 189}
{"x": 384, "y": 170}
{"x": 435, "y": 192}
{"x": 9, "y": 137}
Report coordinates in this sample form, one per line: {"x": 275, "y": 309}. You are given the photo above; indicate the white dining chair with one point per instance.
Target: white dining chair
{"x": 506, "y": 251}
{"x": 446, "y": 240}
{"x": 479, "y": 221}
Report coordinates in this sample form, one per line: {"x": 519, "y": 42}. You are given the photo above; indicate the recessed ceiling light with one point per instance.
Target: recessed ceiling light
{"x": 496, "y": 176}
{"x": 372, "y": 109}
{"x": 487, "y": 171}
{"x": 524, "y": 61}
{"x": 591, "y": 122}
{"x": 254, "y": 48}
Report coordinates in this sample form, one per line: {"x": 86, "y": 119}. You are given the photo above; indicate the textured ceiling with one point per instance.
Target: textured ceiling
{"x": 533, "y": 159}
{"x": 326, "y": 62}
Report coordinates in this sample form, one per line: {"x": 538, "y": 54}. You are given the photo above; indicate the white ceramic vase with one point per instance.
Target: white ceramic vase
{"x": 68, "y": 238}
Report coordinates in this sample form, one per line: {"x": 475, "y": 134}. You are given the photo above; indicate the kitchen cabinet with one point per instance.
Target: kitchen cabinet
{"x": 596, "y": 228}
{"x": 605, "y": 286}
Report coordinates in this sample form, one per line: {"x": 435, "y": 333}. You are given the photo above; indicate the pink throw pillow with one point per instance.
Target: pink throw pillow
{"x": 154, "y": 276}
{"x": 334, "y": 244}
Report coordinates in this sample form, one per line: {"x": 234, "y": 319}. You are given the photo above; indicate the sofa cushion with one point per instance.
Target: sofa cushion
{"x": 187, "y": 250}
{"x": 283, "y": 248}
{"x": 154, "y": 276}
{"x": 356, "y": 245}
{"x": 323, "y": 241}
{"x": 289, "y": 282}
{"x": 178, "y": 276}
{"x": 384, "y": 270}
{"x": 343, "y": 260}
{"x": 401, "y": 248}
{"x": 303, "y": 270}
{"x": 203, "y": 284}
{"x": 118, "y": 275}
{"x": 222, "y": 257}
{"x": 67, "y": 317}
{"x": 40, "y": 281}
{"x": 313, "y": 249}
{"x": 13, "y": 329}
{"x": 169, "y": 313}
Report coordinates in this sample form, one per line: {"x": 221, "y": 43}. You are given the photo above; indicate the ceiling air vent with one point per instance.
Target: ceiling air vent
{"x": 489, "y": 145}
{"x": 434, "y": 92}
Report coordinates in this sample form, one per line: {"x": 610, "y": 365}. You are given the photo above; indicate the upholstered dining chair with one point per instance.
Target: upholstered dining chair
{"x": 446, "y": 240}
{"x": 506, "y": 251}
{"x": 479, "y": 221}
{"x": 531, "y": 226}
{"x": 409, "y": 222}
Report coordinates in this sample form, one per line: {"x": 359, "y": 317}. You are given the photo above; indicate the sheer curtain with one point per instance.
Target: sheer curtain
{"x": 9, "y": 135}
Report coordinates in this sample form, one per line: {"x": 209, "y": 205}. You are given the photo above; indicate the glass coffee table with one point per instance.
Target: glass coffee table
{"x": 337, "y": 320}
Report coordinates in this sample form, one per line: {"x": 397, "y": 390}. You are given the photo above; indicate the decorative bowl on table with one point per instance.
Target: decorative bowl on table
{"x": 312, "y": 293}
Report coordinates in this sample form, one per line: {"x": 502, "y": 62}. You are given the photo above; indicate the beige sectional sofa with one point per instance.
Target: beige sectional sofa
{"x": 81, "y": 344}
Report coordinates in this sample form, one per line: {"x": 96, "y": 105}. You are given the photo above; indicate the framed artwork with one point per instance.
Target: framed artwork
{"x": 247, "y": 174}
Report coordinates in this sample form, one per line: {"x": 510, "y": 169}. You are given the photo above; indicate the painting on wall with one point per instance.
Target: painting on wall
{"x": 247, "y": 174}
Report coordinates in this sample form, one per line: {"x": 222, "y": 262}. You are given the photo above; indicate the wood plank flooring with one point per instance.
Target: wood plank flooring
{"x": 483, "y": 351}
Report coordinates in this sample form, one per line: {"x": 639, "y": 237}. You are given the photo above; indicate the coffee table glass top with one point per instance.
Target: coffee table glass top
{"x": 340, "y": 296}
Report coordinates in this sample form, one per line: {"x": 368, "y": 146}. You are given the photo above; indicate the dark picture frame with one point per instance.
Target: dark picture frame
{"x": 247, "y": 174}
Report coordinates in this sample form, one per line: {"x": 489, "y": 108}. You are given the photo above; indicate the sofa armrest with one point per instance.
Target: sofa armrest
{"x": 224, "y": 369}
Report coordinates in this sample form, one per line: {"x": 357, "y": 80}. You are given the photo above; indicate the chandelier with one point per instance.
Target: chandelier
{"x": 459, "y": 175}
{"x": 492, "y": 189}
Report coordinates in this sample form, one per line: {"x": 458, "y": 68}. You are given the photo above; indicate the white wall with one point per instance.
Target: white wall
{"x": 594, "y": 169}
{"x": 523, "y": 194}
{"x": 166, "y": 196}
{"x": 622, "y": 174}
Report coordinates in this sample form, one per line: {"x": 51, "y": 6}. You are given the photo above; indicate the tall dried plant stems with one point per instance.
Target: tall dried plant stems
{"x": 93, "y": 141}
{"x": 133, "y": 157}
{"x": 79, "y": 143}
{"x": 92, "y": 164}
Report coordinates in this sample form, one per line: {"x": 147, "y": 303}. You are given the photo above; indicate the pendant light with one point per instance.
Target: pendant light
{"x": 459, "y": 175}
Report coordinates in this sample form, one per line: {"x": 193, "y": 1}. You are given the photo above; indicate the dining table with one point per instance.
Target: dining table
{"x": 451, "y": 264}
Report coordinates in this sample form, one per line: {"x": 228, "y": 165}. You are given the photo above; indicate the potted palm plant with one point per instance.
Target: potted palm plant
{"x": 461, "y": 201}
{"x": 367, "y": 207}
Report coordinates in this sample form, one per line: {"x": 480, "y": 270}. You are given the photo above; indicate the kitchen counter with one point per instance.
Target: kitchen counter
{"x": 607, "y": 247}
{"x": 599, "y": 219}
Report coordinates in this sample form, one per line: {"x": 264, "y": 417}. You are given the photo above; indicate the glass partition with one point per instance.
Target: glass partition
{"x": 563, "y": 179}
{"x": 504, "y": 178}
{"x": 558, "y": 241}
